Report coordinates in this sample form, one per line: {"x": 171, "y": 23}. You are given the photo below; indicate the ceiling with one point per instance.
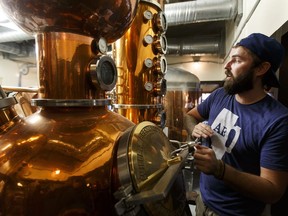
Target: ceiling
{"x": 196, "y": 32}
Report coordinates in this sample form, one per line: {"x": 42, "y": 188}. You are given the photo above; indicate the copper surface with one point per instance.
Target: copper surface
{"x": 59, "y": 162}
{"x": 131, "y": 53}
{"x": 63, "y": 60}
{"x": 95, "y": 18}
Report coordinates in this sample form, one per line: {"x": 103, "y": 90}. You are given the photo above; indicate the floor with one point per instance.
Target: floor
{"x": 191, "y": 177}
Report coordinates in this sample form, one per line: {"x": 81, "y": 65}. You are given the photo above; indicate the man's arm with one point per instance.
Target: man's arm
{"x": 268, "y": 187}
{"x": 191, "y": 119}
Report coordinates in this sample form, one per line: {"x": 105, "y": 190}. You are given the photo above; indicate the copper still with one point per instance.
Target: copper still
{"x": 141, "y": 63}
{"x": 74, "y": 156}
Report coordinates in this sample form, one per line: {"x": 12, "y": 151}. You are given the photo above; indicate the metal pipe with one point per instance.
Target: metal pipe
{"x": 14, "y": 36}
{"x": 200, "y": 11}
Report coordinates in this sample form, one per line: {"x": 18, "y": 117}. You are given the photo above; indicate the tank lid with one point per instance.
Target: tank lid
{"x": 180, "y": 79}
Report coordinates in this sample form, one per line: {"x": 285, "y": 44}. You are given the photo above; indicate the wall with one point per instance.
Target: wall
{"x": 264, "y": 16}
{"x": 16, "y": 74}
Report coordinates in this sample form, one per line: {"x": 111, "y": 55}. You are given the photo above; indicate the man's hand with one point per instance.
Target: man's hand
{"x": 202, "y": 130}
{"x": 205, "y": 160}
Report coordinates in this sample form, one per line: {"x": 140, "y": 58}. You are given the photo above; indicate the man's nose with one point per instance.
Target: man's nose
{"x": 227, "y": 65}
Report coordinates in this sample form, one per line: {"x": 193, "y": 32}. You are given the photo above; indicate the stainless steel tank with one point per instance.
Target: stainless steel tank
{"x": 74, "y": 156}
{"x": 183, "y": 93}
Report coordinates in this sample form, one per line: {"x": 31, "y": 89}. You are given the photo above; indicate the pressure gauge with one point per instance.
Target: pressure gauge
{"x": 148, "y": 86}
{"x": 148, "y": 39}
{"x": 99, "y": 46}
{"x": 147, "y": 15}
{"x": 102, "y": 45}
{"x": 148, "y": 63}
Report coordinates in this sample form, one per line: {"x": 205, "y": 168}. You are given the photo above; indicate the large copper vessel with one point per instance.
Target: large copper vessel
{"x": 74, "y": 156}
{"x": 59, "y": 160}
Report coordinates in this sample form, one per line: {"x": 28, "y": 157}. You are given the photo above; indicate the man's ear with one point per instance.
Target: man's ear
{"x": 263, "y": 68}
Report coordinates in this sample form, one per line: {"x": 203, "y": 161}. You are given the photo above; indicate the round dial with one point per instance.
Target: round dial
{"x": 148, "y": 39}
{"x": 148, "y": 63}
{"x": 102, "y": 45}
{"x": 148, "y": 15}
{"x": 148, "y": 86}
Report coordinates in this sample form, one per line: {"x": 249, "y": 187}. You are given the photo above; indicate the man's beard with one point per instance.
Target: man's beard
{"x": 241, "y": 83}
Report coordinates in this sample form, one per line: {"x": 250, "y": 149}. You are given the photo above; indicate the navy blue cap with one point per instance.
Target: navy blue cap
{"x": 267, "y": 49}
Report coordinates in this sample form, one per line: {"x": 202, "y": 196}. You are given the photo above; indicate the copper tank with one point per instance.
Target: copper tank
{"x": 74, "y": 156}
{"x": 59, "y": 160}
{"x": 141, "y": 63}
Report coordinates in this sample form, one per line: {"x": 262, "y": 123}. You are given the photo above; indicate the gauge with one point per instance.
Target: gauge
{"x": 147, "y": 15}
{"x": 148, "y": 39}
{"x": 148, "y": 63}
{"x": 99, "y": 46}
{"x": 102, "y": 45}
{"x": 148, "y": 86}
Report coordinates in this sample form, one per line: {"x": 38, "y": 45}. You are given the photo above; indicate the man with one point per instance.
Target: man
{"x": 244, "y": 161}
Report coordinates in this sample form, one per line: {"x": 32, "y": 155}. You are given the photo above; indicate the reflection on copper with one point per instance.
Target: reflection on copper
{"x": 50, "y": 154}
{"x": 102, "y": 18}
{"x": 66, "y": 67}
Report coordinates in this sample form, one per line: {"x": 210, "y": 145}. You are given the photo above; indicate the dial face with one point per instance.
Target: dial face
{"x": 148, "y": 39}
{"x": 102, "y": 45}
{"x": 148, "y": 86}
{"x": 148, "y": 15}
{"x": 148, "y": 63}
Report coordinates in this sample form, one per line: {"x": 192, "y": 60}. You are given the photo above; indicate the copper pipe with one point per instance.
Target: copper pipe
{"x": 63, "y": 66}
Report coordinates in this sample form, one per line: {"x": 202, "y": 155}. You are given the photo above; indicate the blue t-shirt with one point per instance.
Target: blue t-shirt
{"x": 246, "y": 137}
